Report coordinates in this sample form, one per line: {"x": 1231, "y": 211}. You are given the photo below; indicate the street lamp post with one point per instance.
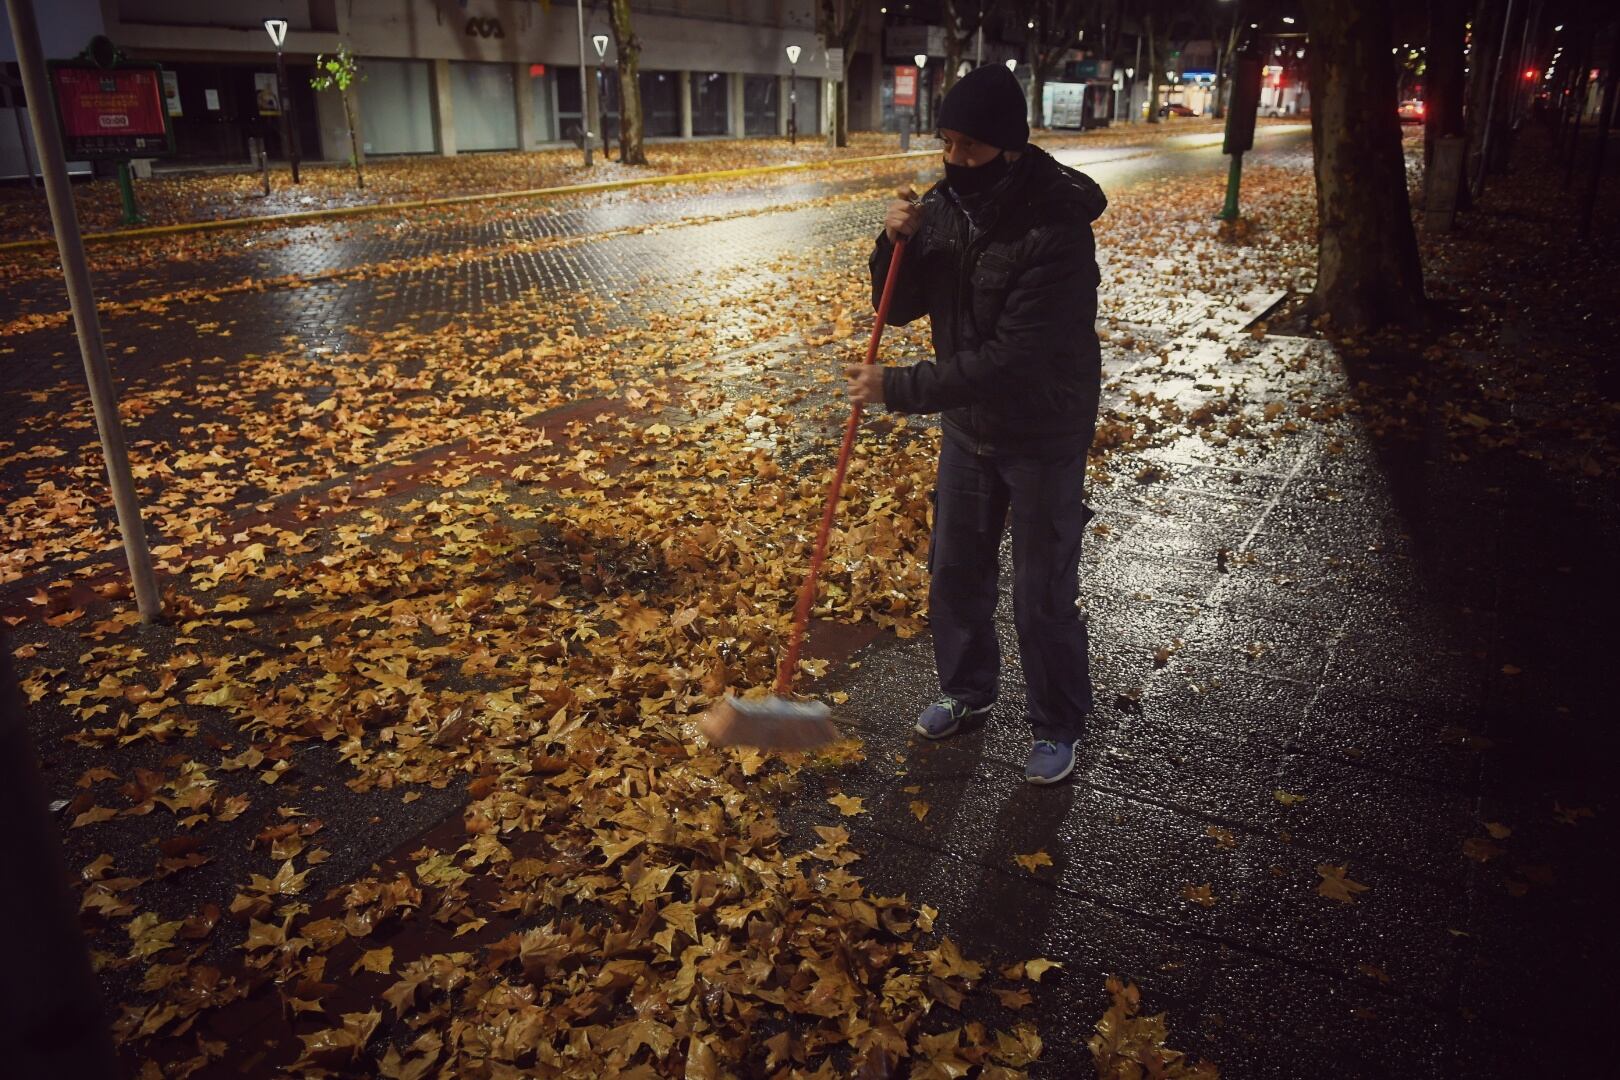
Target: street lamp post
{"x": 36, "y": 82}
{"x": 277, "y": 29}
{"x": 601, "y": 43}
{"x": 793, "y": 95}
{"x": 584, "y": 91}
{"x": 922, "y": 62}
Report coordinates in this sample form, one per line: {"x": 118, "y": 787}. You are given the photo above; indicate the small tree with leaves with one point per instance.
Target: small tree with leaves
{"x": 341, "y": 72}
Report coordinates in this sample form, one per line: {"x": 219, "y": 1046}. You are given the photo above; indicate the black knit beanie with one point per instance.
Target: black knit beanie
{"x": 987, "y": 104}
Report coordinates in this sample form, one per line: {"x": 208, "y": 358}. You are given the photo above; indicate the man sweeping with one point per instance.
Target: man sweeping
{"x": 1000, "y": 257}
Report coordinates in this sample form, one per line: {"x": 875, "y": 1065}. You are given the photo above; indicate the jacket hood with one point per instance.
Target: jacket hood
{"x": 1050, "y": 183}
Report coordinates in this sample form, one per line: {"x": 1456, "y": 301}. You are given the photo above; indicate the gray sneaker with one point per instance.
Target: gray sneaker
{"x": 944, "y": 718}
{"x": 1049, "y": 761}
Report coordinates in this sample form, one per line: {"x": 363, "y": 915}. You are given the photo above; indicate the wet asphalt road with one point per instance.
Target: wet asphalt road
{"x": 1389, "y": 586}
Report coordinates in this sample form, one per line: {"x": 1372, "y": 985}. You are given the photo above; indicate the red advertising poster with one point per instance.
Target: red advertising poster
{"x": 111, "y": 113}
{"x": 905, "y": 85}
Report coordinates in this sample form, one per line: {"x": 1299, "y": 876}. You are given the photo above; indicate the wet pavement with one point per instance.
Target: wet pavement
{"x": 1339, "y": 654}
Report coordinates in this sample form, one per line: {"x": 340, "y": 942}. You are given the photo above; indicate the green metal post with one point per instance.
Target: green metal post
{"x": 1234, "y": 178}
{"x": 126, "y": 189}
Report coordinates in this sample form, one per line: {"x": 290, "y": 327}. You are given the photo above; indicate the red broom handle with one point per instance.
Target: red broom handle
{"x": 818, "y": 554}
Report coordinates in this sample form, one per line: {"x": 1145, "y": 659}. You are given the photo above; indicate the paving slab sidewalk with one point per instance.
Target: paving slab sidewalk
{"x": 1296, "y": 680}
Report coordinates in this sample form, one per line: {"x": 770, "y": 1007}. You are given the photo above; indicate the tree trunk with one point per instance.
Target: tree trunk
{"x": 1582, "y": 88}
{"x": 1037, "y": 94}
{"x": 1570, "y": 85}
{"x": 628, "y": 46}
{"x": 1152, "y": 71}
{"x": 1482, "y": 60}
{"x": 1507, "y": 90}
{"x": 838, "y": 25}
{"x": 1611, "y": 94}
{"x": 1367, "y": 268}
{"x": 1444, "y": 84}
{"x": 354, "y": 141}
{"x": 839, "y": 125}
{"x": 953, "y": 44}
{"x": 1487, "y": 28}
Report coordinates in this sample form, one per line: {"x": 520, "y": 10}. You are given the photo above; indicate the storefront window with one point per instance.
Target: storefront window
{"x": 760, "y": 104}
{"x": 568, "y": 111}
{"x": 708, "y": 103}
{"x": 660, "y": 103}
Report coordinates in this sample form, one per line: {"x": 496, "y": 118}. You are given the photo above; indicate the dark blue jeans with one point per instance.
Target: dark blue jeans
{"x": 1046, "y": 497}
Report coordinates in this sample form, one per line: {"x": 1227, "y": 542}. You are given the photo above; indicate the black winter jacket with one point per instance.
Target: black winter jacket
{"x": 1013, "y": 307}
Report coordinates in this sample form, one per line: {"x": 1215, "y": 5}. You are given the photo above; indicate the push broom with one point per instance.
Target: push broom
{"x": 778, "y": 722}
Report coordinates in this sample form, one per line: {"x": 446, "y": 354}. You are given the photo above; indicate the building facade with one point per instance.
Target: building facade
{"x": 459, "y": 76}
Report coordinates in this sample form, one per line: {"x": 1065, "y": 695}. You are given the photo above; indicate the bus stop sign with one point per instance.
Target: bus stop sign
{"x": 1246, "y": 71}
{"x": 110, "y": 109}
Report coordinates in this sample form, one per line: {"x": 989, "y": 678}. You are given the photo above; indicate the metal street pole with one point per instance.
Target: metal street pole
{"x": 277, "y": 29}
{"x": 601, "y": 43}
{"x": 1533, "y": 15}
{"x": 922, "y": 77}
{"x": 1478, "y": 184}
{"x": 289, "y": 131}
{"x": 286, "y": 122}
{"x": 82, "y": 300}
{"x": 1135, "y": 112}
{"x": 793, "y": 95}
{"x": 1234, "y": 180}
{"x": 584, "y": 92}
{"x": 126, "y": 194}
{"x": 601, "y": 110}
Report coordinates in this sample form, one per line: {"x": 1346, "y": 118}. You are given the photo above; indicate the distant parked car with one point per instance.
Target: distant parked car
{"x": 1411, "y": 111}
{"x": 1175, "y": 109}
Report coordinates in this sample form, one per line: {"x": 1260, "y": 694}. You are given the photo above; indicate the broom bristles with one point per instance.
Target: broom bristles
{"x": 770, "y": 723}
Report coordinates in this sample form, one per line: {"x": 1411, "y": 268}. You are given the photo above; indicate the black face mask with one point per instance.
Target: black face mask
{"x": 977, "y": 179}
